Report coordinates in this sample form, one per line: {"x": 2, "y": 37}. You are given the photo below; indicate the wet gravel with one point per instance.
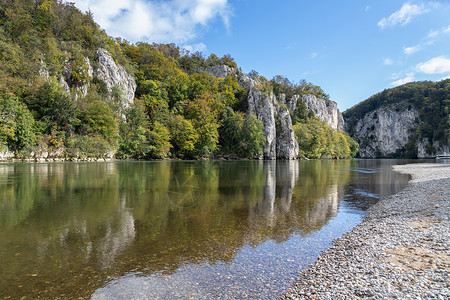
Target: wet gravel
{"x": 401, "y": 250}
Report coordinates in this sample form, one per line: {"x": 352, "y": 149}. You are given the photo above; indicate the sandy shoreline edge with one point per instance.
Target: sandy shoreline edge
{"x": 401, "y": 250}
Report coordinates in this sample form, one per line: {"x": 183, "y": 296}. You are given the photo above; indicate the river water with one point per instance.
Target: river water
{"x": 176, "y": 229}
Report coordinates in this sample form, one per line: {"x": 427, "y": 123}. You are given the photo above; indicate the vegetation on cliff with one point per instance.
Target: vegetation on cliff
{"x": 51, "y": 102}
{"x": 430, "y": 99}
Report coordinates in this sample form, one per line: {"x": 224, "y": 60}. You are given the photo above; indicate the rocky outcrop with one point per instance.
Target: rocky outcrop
{"x": 262, "y": 106}
{"x": 82, "y": 88}
{"x": 441, "y": 149}
{"x": 287, "y": 146}
{"x": 113, "y": 74}
{"x": 384, "y": 131}
{"x": 220, "y": 71}
{"x": 291, "y": 102}
{"x": 276, "y": 118}
{"x": 107, "y": 71}
{"x": 274, "y": 111}
{"x": 325, "y": 110}
{"x": 274, "y": 114}
{"x": 6, "y": 155}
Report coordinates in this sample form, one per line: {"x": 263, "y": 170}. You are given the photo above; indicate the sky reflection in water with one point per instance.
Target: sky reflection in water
{"x": 176, "y": 229}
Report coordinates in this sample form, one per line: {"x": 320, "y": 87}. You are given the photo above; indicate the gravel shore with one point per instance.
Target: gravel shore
{"x": 401, "y": 250}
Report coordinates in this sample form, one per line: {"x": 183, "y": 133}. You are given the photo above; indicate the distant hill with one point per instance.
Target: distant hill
{"x": 412, "y": 120}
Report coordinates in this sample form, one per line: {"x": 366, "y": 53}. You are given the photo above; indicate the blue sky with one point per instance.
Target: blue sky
{"x": 352, "y": 49}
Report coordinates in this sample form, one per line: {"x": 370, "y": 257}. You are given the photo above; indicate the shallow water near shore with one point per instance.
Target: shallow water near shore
{"x": 167, "y": 229}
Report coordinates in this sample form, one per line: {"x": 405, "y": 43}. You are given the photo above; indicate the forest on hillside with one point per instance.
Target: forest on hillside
{"x": 430, "y": 99}
{"x": 179, "y": 110}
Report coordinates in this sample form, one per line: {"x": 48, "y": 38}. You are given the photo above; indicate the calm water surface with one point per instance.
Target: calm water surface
{"x": 203, "y": 229}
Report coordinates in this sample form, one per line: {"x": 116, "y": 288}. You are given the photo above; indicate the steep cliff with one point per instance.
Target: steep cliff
{"x": 114, "y": 75}
{"x": 325, "y": 110}
{"x": 276, "y": 118}
{"x": 287, "y": 146}
{"x": 106, "y": 70}
{"x": 275, "y": 112}
{"x": 411, "y": 120}
{"x": 385, "y": 130}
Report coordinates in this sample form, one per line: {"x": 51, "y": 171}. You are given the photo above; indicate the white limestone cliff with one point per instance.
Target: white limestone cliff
{"x": 274, "y": 111}
{"x": 325, "y": 110}
{"x": 107, "y": 71}
{"x": 385, "y": 130}
{"x": 287, "y": 146}
{"x": 262, "y": 106}
{"x": 113, "y": 74}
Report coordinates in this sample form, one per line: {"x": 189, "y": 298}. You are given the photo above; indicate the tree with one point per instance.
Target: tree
{"x": 159, "y": 141}
{"x": 16, "y": 125}
{"x": 183, "y": 135}
{"x": 99, "y": 118}
{"x": 133, "y": 132}
{"x": 242, "y": 136}
{"x": 230, "y": 130}
{"x": 253, "y": 139}
{"x": 205, "y": 122}
{"x": 53, "y": 107}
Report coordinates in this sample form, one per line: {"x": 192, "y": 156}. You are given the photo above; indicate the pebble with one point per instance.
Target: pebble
{"x": 388, "y": 255}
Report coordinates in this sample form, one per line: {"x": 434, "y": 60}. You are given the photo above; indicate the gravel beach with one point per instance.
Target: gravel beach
{"x": 401, "y": 250}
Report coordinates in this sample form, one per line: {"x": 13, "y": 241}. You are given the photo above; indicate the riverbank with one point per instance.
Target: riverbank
{"x": 400, "y": 250}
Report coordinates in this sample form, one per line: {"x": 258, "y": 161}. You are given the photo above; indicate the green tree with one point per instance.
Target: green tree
{"x": 205, "y": 122}
{"x": 183, "y": 135}
{"x": 159, "y": 141}
{"x": 16, "y": 125}
{"x": 230, "y": 130}
{"x": 133, "y": 132}
{"x": 241, "y": 135}
{"x": 53, "y": 107}
{"x": 99, "y": 118}
{"x": 253, "y": 139}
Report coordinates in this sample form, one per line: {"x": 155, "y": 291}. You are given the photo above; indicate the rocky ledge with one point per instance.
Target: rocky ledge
{"x": 401, "y": 250}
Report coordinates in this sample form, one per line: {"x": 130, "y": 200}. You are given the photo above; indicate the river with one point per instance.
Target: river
{"x": 176, "y": 229}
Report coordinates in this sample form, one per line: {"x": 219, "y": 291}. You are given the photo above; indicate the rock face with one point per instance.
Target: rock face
{"x": 107, "y": 70}
{"x": 391, "y": 131}
{"x": 274, "y": 111}
{"x": 326, "y": 111}
{"x": 291, "y": 103}
{"x": 441, "y": 149}
{"x": 113, "y": 75}
{"x": 280, "y": 138}
{"x": 287, "y": 146}
{"x": 385, "y": 130}
{"x": 262, "y": 106}
{"x": 220, "y": 71}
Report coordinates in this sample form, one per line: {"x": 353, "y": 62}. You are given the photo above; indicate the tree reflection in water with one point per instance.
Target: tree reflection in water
{"x": 70, "y": 229}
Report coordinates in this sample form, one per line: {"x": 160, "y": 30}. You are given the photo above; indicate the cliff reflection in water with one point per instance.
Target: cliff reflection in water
{"x": 67, "y": 229}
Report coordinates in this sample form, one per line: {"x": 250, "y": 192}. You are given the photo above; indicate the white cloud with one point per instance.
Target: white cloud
{"x": 175, "y": 21}
{"x": 314, "y": 55}
{"x": 388, "y": 61}
{"x": 200, "y": 47}
{"x": 402, "y": 16}
{"x": 447, "y": 29}
{"x": 433, "y": 34}
{"x": 411, "y": 50}
{"x": 436, "y": 65}
{"x": 409, "y": 78}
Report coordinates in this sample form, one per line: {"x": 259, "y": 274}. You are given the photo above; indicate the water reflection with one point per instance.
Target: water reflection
{"x": 70, "y": 229}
